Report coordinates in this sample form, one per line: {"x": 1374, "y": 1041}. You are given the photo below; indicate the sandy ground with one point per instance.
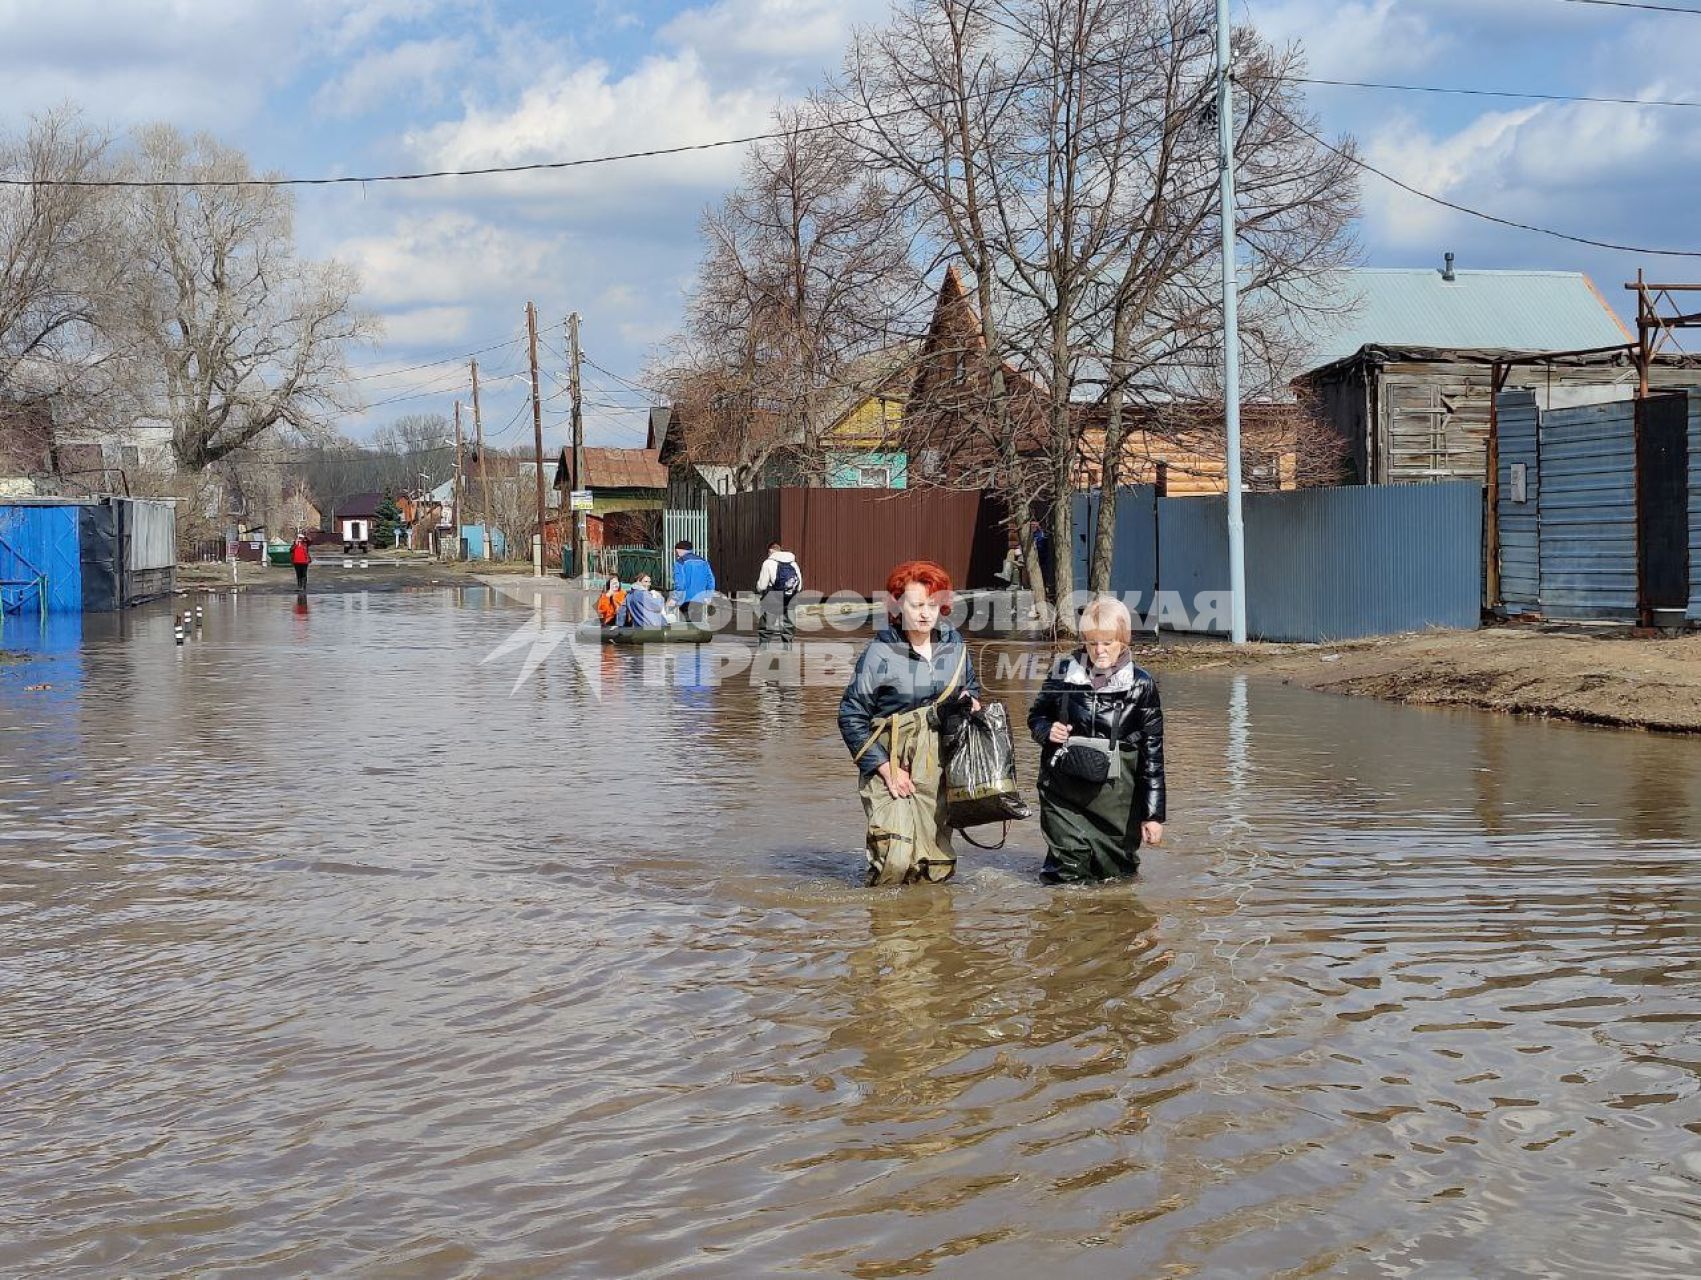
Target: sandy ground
{"x": 1597, "y": 676}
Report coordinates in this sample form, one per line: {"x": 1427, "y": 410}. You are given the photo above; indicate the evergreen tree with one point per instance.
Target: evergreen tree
{"x": 385, "y": 523}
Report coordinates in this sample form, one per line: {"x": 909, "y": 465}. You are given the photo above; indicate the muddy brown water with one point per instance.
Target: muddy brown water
{"x": 326, "y": 951}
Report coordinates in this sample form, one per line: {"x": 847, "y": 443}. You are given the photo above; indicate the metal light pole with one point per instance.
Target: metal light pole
{"x": 1231, "y": 329}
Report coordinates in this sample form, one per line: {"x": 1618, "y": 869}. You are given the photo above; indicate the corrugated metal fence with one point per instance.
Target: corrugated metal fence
{"x": 151, "y": 532}
{"x": 1568, "y": 507}
{"x": 1588, "y": 511}
{"x": 85, "y": 555}
{"x": 849, "y": 539}
{"x": 1520, "y": 495}
{"x": 1321, "y": 564}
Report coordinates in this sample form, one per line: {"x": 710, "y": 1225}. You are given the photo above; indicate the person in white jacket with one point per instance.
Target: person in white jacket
{"x": 777, "y": 586}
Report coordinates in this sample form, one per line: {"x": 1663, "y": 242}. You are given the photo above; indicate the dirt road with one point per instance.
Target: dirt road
{"x": 1596, "y": 677}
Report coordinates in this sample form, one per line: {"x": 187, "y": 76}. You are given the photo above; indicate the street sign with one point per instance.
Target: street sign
{"x": 581, "y": 500}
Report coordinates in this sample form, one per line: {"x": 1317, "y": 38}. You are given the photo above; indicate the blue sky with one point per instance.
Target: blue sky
{"x": 351, "y": 86}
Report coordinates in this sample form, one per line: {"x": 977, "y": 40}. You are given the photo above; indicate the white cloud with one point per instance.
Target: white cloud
{"x": 353, "y": 22}
{"x": 1356, "y": 39}
{"x": 750, "y": 37}
{"x": 428, "y": 326}
{"x": 187, "y": 61}
{"x": 664, "y": 102}
{"x": 444, "y": 259}
{"x": 424, "y": 70}
{"x": 1451, "y": 167}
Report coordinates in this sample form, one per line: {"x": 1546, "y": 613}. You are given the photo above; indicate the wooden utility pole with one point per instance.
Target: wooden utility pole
{"x": 580, "y": 568}
{"x": 488, "y": 537}
{"x": 537, "y": 425}
{"x": 455, "y": 494}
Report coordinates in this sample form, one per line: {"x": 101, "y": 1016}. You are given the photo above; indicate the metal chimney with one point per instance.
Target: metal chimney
{"x": 1447, "y": 271}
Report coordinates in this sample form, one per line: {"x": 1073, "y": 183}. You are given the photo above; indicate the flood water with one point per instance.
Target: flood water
{"x": 324, "y": 951}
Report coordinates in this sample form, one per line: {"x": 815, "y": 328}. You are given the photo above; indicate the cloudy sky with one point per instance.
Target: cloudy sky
{"x": 314, "y": 87}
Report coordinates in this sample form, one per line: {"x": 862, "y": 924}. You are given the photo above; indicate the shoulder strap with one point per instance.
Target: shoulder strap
{"x": 962, "y": 663}
{"x": 884, "y": 724}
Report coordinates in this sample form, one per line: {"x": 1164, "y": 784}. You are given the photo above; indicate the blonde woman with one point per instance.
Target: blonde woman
{"x": 1100, "y": 728}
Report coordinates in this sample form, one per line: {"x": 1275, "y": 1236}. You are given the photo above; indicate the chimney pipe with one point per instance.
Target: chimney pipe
{"x": 1447, "y": 272}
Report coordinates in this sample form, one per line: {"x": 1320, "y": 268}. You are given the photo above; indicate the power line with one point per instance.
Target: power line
{"x": 1638, "y": 4}
{"x": 1498, "y": 93}
{"x": 869, "y": 117}
{"x": 458, "y": 358}
{"x": 487, "y": 171}
{"x": 626, "y": 382}
{"x": 1478, "y": 213}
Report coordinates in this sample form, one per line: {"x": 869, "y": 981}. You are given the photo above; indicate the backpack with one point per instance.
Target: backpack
{"x": 786, "y": 578}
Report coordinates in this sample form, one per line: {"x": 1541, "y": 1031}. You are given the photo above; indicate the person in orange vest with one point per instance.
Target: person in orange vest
{"x": 609, "y": 602}
{"x": 300, "y": 557}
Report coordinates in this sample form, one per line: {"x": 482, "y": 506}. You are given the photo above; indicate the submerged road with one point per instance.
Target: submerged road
{"x": 328, "y": 947}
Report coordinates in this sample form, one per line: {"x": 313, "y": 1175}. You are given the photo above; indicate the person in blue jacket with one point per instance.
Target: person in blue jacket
{"x": 693, "y": 581}
{"x": 642, "y": 606}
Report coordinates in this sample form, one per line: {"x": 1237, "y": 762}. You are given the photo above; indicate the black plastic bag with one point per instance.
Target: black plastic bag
{"x": 979, "y": 760}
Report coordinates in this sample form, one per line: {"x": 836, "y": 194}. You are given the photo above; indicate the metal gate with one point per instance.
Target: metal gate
{"x": 683, "y": 526}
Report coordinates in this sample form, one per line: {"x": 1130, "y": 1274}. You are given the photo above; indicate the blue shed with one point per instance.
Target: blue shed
{"x": 80, "y": 555}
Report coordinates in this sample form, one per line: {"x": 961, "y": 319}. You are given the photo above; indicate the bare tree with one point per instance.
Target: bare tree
{"x": 1064, "y": 152}
{"x": 1295, "y": 204}
{"x": 937, "y": 104}
{"x": 233, "y": 336}
{"x": 413, "y": 449}
{"x": 59, "y": 259}
{"x": 805, "y": 271}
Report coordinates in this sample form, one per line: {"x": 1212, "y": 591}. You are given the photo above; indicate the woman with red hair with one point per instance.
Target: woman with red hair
{"x": 912, "y": 672}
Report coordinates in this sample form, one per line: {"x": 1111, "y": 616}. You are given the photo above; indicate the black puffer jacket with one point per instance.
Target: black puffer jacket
{"x": 1127, "y": 708}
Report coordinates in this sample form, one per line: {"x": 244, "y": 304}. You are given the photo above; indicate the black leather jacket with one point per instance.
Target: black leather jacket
{"x": 1127, "y": 708}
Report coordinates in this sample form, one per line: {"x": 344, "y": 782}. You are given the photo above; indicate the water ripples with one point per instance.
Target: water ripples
{"x": 326, "y": 956}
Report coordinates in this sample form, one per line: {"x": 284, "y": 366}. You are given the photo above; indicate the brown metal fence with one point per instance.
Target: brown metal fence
{"x": 849, "y": 539}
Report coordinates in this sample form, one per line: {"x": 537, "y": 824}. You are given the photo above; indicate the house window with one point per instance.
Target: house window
{"x": 874, "y": 477}
{"x": 960, "y": 370}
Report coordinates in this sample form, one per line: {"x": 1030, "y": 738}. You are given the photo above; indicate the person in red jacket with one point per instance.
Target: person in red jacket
{"x": 300, "y": 557}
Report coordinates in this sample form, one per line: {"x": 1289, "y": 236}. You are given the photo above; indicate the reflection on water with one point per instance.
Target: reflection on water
{"x": 325, "y": 948}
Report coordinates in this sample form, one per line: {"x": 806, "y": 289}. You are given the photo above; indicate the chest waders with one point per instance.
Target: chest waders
{"x": 908, "y": 840}
{"x": 1091, "y": 829}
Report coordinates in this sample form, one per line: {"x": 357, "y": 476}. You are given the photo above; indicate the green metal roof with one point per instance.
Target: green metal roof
{"x": 1416, "y": 307}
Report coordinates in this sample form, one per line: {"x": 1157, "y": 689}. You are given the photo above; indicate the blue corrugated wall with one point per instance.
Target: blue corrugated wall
{"x": 40, "y": 540}
{"x": 1368, "y": 560}
{"x": 1694, "y": 612}
{"x": 1588, "y": 511}
{"x": 1134, "y": 554}
{"x": 1321, "y": 564}
{"x": 1520, "y": 523}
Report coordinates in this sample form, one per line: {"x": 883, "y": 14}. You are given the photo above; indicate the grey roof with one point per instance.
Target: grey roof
{"x": 1504, "y": 310}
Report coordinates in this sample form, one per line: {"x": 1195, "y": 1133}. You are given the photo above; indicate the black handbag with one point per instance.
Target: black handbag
{"x": 1084, "y": 760}
{"x": 1089, "y": 760}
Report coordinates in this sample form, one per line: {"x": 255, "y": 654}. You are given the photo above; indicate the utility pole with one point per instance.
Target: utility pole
{"x": 488, "y": 536}
{"x": 1231, "y": 329}
{"x": 579, "y": 566}
{"x": 537, "y": 436}
{"x": 458, "y": 512}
